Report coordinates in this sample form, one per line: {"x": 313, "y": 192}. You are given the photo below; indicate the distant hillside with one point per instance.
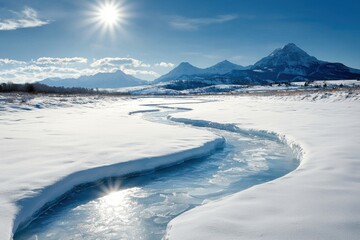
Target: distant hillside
{"x": 100, "y": 80}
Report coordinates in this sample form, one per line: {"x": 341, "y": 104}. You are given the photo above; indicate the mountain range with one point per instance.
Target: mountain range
{"x": 116, "y": 79}
{"x": 286, "y": 64}
{"x": 185, "y": 69}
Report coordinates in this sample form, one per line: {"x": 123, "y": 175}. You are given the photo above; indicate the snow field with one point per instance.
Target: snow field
{"x": 46, "y": 152}
{"x": 319, "y": 200}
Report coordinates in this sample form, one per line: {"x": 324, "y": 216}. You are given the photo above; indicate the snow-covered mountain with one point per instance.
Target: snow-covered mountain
{"x": 100, "y": 80}
{"x": 287, "y": 64}
{"x": 290, "y": 55}
{"x": 291, "y": 63}
{"x": 223, "y": 67}
{"x": 185, "y": 71}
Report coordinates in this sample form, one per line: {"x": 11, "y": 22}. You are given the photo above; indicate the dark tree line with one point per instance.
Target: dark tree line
{"x": 42, "y": 88}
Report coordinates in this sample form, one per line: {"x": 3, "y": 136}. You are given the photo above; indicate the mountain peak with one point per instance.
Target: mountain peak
{"x": 185, "y": 64}
{"x": 223, "y": 67}
{"x": 115, "y": 74}
{"x": 291, "y": 46}
{"x": 225, "y": 62}
{"x": 289, "y": 55}
{"x": 183, "y": 69}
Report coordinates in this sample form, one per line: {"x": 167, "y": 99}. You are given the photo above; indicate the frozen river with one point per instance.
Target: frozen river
{"x": 141, "y": 206}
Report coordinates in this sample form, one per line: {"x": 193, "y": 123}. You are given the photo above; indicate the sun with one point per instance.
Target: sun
{"x": 108, "y": 17}
{"x": 109, "y": 14}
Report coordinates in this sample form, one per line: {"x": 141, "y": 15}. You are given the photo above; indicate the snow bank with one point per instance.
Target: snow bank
{"x": 319, "y": 200}
{"x": 46, "y": 152}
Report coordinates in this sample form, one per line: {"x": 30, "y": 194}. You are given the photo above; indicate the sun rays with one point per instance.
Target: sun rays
{"x": 108, "y": 17}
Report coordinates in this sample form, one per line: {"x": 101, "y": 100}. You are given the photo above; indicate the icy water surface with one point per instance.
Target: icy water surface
{"x": 140, "y": 207}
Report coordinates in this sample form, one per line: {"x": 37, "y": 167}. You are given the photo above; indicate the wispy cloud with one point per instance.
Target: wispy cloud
{"x": 27, "y": 18}
{"x": 116, "y": 61}
{"x": 60, "y": 61}
{"x": 70, "y": 67}
{"x": 191, "y": 24}
{"x": 4, "y": 61}
{"x": 137, "y": 72}
{"x": 165, "y": 65}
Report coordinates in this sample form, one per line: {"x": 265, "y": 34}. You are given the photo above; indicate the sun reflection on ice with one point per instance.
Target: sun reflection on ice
{"x": 115, "y": 198}
{"x": 119, "y": 207}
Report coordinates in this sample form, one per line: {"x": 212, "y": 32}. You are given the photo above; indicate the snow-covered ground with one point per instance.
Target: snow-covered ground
{"x": 165, "y": 89}
{"x": 319, "y": 200}
{"x": 50, "y": 145}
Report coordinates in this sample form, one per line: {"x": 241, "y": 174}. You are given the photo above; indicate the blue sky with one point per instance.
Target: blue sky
{"x": 61, "y": 38}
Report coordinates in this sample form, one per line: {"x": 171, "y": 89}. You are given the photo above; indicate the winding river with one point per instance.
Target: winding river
{"x": 140, "y": 207}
